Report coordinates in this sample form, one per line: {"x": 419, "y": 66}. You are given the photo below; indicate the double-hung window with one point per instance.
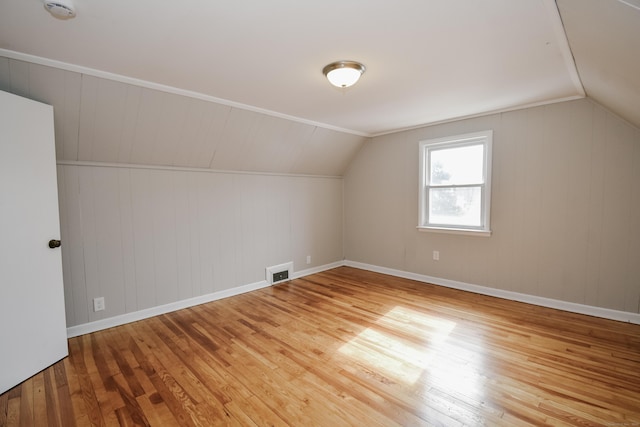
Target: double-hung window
{"x": 455, "y": 184}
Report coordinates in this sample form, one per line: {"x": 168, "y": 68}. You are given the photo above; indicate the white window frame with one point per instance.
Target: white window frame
{"x": 485, "y": 138}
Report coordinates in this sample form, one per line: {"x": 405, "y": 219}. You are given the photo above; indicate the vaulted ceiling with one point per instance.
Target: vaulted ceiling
{"x": 604, "y": 36}
{"x": 427, "y": 61}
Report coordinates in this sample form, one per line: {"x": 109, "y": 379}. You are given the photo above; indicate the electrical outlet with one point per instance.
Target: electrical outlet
{"x": 308, "y": 259}
{"x": 436, "y": 255}
{"x": 98, "y": 304}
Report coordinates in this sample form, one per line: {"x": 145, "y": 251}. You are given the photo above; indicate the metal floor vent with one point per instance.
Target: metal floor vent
{"x": 279, "y": 276}
{"x": 279, "y": 273}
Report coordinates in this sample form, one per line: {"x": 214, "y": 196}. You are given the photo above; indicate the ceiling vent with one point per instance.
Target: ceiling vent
{"x": 62, "y": 9}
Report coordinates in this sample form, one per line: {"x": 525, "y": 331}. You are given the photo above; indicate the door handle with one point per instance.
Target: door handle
{"x": 54, "y": 243}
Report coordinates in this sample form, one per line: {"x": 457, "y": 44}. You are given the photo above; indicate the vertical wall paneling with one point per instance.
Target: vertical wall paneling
{"x": 316, "y": 221}
{"x": 148, "y": 237}
{"x": 147, "y": 126}
{"x": 517, "y": 202}
{"x": 142, "y": 237}
{"x": 142, "y": 197}
{"x": 617, "y": 200}
{"x": 183, "y": 226}
{"x": 576, "y": 220}
{"x": 66, "y": 256}
{"x": 171, "y": 126}
{"x": 164, "y": 236}
{"x": 129, "y": 123}
{"x": 102, "y": 120}
{"x": 362, "y": 193}
{"x": 223, "y": 259}
{"x": 102, "y": 130}
{"x": 264, "y": 223}
{"x": 564, "y": 207}
{"x": 292, "y": 145}
{"x": 209, "y": 135}
{"x": 210, "y": 191}
{"x": 19, "y": 74}
{"x": 86, "y": 130}
{"x": 552, "y": 173}
{"x": 264, "y": 148}
{"x": 253, "y": 203}
{"x": 127, "y": 254}
{"x": 531, "y": 219}
{"x": 195, "y": 232}
{"x": 105, "y": 192}
{"x": 508, "y": 195}
{"x": 89, "y": 242}
{"x": 326, "y": 152}
{"x": 595, "y": 207}
{"x": 5, "y": 75}
{"x": 633, "y": 292}
{"x": 71, "y": 115}
{"x": 279, "y": 220}
{"x": 60, "y": 89}
{"x": 73, "y": 254}
{"x": 191, "y": 139}
{"x": 233, "y": 147}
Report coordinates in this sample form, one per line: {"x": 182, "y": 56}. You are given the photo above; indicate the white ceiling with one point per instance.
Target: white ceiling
{"x": 427, "y": 60}
{"x": 605, "y": 39}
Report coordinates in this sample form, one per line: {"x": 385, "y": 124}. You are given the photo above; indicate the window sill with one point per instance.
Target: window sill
{"x": 461, "y": 231}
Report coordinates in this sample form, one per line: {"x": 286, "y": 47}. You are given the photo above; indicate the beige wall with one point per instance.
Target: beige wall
{"x": 565, "y": 214}
{"x": 142, "y": 238}
{"x": 565, "y": 207}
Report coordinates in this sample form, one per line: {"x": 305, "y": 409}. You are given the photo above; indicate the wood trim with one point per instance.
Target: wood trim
{"x": 167, "y": 89}
{"x": 604, "y": 313}
{"x": 185, "y": 169}
{"x": 123, "y": 319}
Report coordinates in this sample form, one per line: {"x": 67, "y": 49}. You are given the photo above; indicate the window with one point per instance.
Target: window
{"x": 455, "y": 184}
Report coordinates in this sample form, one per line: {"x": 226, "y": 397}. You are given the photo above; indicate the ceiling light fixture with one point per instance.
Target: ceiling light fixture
{"x": 62, "y": 9}
{"x": 343, "y": 74}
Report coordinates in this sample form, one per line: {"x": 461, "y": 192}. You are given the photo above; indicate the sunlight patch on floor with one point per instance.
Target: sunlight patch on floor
{"x": 401, "y": 358}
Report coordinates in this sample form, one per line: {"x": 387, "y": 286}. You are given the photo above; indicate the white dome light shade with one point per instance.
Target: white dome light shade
{"x": 343, "y": 74}
{"x": 62, "y": 9}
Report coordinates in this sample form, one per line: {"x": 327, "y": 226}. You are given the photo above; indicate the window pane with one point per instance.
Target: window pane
{"x": 459, "y": 165}
{"x": 455, "y": 206}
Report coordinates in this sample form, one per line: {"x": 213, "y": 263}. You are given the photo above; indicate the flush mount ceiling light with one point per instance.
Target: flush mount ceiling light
{"x": 343, "y": 74}
{"x": 63, "y": 9}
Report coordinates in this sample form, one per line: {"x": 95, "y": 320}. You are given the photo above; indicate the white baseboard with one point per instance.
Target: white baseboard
{"x": 122, "y": 319}
{"x": 622, "y": 316}
{"x": 314, "y": 270}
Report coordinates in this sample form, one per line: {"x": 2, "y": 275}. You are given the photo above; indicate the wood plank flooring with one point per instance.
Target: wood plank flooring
{"x": 344, "y": 347}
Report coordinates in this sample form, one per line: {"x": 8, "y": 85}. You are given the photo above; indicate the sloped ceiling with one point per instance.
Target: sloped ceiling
{"x": 605, "y": 40}
{"x": 107, "y": 121}
{"x": 427, "y": 61}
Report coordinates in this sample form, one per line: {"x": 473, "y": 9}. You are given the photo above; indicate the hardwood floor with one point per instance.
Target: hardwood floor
{"x": 339, "y": 348}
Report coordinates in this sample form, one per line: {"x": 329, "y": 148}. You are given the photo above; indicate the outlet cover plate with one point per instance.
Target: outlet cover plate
{"x": 98, "y": 304}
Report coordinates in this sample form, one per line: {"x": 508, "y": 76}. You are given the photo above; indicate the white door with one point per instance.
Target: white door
{"x": 32, "y": 317}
